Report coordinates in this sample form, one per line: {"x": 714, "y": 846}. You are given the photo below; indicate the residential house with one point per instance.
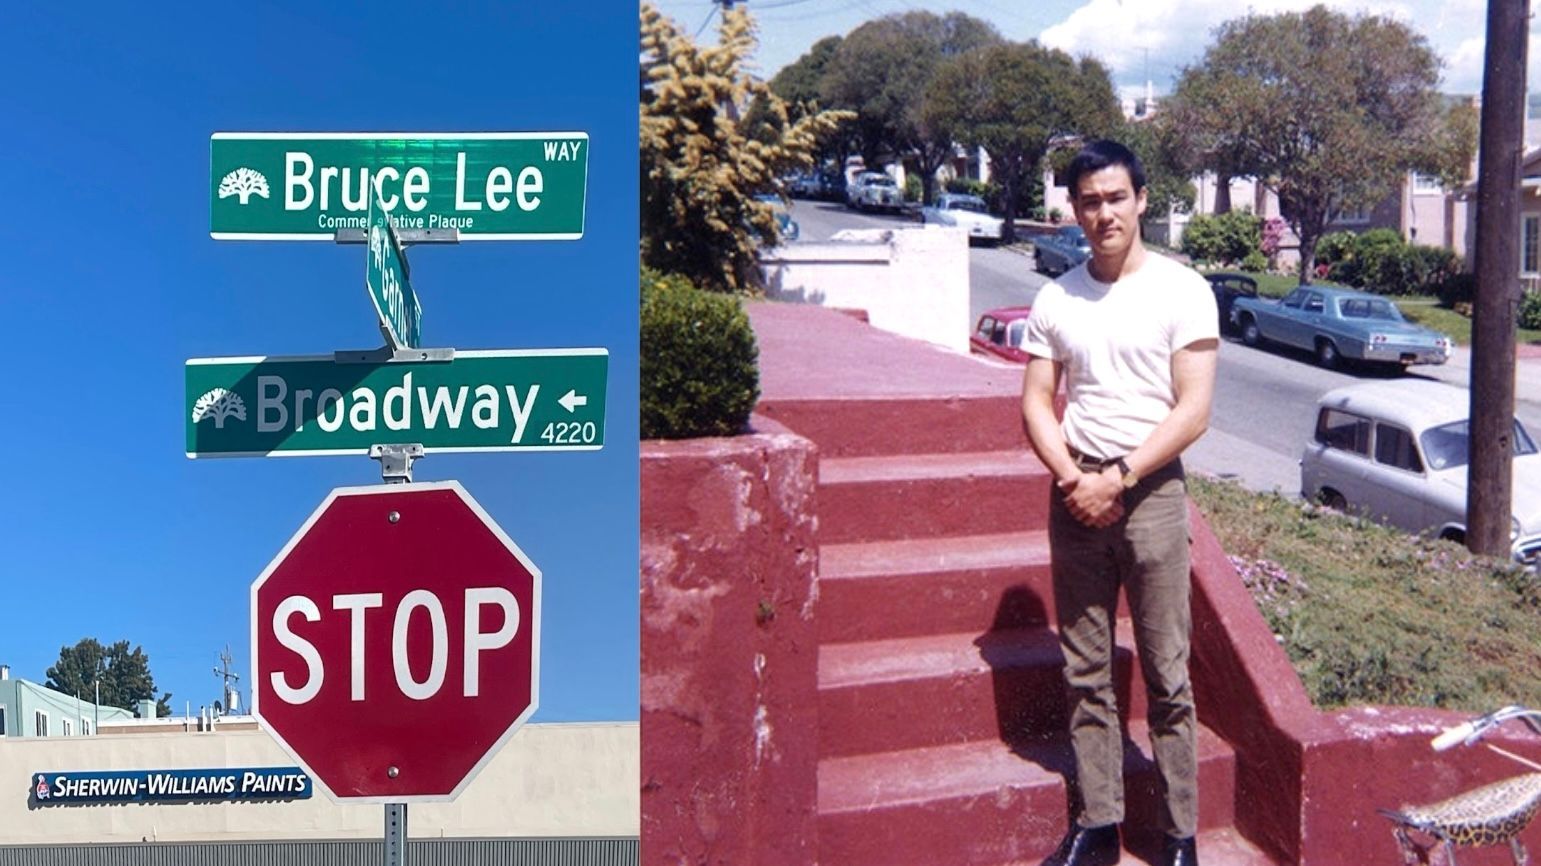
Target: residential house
{"x": 28, "y": 709}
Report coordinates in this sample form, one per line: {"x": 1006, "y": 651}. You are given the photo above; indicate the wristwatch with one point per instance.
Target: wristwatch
{"x": 1130, "y": 478}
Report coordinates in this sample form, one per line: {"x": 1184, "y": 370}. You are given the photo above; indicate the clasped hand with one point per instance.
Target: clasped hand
{"x": 1094, "y": 498}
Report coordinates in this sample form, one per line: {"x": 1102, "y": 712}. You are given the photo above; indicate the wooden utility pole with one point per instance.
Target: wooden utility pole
{"x": 1489, "y": 479}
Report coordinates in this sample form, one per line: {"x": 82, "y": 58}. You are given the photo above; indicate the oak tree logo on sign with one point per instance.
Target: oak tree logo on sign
{"x": 42, "y": 787}
{"x": 243, "y": 182}
{"x": 219, "y": 404}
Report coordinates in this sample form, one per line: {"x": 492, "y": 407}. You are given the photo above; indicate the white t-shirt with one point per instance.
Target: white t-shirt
{"x": 1116, "y": 342}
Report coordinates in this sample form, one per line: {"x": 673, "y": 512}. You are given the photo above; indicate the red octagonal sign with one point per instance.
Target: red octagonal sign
{"x": 396, "y": 642}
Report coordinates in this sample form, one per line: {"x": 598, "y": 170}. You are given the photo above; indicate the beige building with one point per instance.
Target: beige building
{"x": 574, "y": 782}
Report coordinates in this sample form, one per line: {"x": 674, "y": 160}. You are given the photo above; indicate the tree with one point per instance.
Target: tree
{"x": 799, "y": 82}
{"x": 1201, "y": 138}
{"x": 122, "y": 674}
{"x": 701, "y": 167}
{"x": 1018, "y": 101}
{"x": 1329, "y": 111}
{"x": 883, "y": 70}
{"x": 1168, "y": 184}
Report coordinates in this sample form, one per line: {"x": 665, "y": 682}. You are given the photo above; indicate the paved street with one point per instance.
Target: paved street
{"x": 1265, "y": 399}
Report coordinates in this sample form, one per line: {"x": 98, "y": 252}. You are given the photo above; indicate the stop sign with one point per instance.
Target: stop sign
{"x": 396, "y": 642}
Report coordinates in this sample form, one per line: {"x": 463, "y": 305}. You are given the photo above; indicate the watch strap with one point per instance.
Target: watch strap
{"x": 1130, "y": 479}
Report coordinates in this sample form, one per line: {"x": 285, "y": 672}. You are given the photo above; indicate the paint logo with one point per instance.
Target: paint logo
{"x": 243, "y": 183}
{"x": 42, "y": 787}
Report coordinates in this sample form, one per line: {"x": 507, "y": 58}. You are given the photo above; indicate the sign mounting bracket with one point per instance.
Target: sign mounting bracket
{"x": 407, "y": 237}
{"x": 396, "y": 461}
{"x": 385, "y": 355}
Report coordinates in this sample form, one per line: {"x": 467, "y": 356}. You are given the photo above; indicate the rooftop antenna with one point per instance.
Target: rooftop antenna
{"x": 228, "y": 676}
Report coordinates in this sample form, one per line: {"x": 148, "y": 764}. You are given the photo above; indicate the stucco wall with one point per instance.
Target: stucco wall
{"x": 729, "y": 650}
{"x": 911, "y": 281}
{"x": 570, "y": 780}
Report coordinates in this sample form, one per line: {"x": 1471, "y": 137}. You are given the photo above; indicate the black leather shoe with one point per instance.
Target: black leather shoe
{"x": 1087, "y": 846}
{"x": 1179, "y": 852}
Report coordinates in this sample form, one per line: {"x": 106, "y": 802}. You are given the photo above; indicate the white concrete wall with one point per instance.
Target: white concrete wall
{"x": 911, "y": 281}
{"x": 557, "y": 780}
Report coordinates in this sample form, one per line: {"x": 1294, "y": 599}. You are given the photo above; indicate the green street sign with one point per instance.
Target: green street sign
{"x": 385, "y": 278}
{"x": 504, "y": 400}
{"x": 310, "y": 185}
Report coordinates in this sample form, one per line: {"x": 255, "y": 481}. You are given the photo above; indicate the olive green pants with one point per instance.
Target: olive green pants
{"x": 1146, "y": 552}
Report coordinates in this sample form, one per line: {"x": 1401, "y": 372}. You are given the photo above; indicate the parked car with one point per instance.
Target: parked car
{"x": 1059, "y": 252}
{"x": 1338, "y": 324}
{"x": 802, "y": 185}
{"x": 1227, "y": 288}
{"x": 784, "y": 222}
{"x": 1000, "y": 333}
{"x": 874, "y": 189}
{"x": 967, "y": 212}
{"x": 1397, "y": 451}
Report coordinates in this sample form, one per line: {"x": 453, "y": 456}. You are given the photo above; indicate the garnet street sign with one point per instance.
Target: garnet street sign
{"x": 395, "y": 642}
{"x": 310, "y": 185}
{"x": 385, "y": 278}
{"x": 504, "y": 400}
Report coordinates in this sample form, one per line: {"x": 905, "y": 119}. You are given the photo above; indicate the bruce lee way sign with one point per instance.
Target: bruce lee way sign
{"x": 310, "y": 185}
{"x": 396, "y": 642}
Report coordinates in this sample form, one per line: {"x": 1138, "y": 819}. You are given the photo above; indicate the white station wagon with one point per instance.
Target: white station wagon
{"x": 1396, "y": 451}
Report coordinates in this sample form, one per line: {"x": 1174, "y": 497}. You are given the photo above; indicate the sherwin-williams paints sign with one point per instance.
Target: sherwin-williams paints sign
{"x": 170, "y": 786}
{"x": 485, "y": 185}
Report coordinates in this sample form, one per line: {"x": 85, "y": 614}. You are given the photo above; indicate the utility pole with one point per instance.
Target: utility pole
{"x": 1489, "y": 478}
{"x": 228, "y": 676}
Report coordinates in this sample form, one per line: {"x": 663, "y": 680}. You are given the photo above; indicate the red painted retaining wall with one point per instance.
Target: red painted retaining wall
{"x": 729, "y": 650}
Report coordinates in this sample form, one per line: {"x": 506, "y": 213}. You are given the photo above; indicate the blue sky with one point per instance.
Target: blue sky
{"x": 109, "y": 281}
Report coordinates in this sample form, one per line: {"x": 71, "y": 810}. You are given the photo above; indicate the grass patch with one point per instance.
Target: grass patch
{"x": 1372, "y": 615}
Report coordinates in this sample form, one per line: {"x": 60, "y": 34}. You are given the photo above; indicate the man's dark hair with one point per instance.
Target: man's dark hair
{"x": 1098, "y": 155}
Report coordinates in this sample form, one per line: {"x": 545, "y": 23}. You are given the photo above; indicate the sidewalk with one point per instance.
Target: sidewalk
{"x": 1527, "y": 372}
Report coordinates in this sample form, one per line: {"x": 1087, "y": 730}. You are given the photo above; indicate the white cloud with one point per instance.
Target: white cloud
{"x": 1176, "y": 32}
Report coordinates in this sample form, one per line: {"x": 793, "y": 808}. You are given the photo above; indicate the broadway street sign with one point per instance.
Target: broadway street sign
{"x": 487, "y": 185}
{"x": 385, "y": 278}
{"x": 507, "y": 400}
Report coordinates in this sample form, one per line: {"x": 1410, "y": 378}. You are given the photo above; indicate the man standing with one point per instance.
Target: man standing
{"x": 1133, "y": 335}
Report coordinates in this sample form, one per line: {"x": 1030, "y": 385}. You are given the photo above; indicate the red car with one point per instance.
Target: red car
{"x": 1000, "y": 333}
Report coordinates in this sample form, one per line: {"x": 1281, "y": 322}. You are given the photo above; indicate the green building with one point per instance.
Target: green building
{"x": 28, "y": 709}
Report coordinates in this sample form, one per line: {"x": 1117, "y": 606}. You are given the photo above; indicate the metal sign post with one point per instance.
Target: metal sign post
{"x": 396, "y": 834}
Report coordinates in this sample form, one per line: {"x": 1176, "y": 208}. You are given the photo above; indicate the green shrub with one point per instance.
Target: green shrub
{"x": 1457, "y": 289}
{"x": 913, "y": 188}
{"x": 1530, "y": 311}
{"x": 1222, "y": 238}
{"x": 1380, "y": 261}
{"x": 1255, "y": 262}
{"x": 699, "y": 373}
{"x": 968, "y": 186}
{"x": 1334, "y": 247}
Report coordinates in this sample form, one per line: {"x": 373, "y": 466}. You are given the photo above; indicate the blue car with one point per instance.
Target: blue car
{"x": 1338, "y": 324}
{"x": 1059, "y": 252}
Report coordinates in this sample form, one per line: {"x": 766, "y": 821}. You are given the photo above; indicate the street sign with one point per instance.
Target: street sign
{"x": 395, "y": 642}
{"x": 485, "y": 185}
{"x": 505, "y": 400}
{"x": 385, "y": 278}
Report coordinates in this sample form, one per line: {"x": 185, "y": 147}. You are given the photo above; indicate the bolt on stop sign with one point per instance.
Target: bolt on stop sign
{"x": 396, "y": 641}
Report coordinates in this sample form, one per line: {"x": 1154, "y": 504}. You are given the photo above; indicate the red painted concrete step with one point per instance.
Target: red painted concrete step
{"x": 985, "y": 802}
{"x": 1222, "y": 846}
{"x": 870, "y": 590}
{"x": 930, "y": 495}
{"x": 905, "y": 693}
{"x": 856, "y": 426}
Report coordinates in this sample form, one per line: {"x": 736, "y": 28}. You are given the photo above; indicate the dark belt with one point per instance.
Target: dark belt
{"x": 1088, "y": 463}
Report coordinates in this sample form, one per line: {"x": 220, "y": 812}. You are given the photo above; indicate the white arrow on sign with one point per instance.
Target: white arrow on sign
{"x": 572, "y": 400}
